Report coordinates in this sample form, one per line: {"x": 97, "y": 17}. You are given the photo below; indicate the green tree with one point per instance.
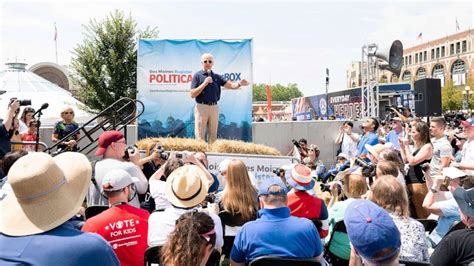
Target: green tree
{"x": 105, "y": 64}
{"x": 452, "y": 97}
{"x": 279, "y": 92}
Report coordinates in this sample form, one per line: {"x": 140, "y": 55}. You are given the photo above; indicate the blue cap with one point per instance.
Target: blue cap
{"x": 371, "y": 230}
{"x": 271, "y": 181}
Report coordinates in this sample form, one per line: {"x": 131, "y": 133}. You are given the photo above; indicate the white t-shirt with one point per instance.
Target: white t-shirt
{"x": 102, "y": 167}
{"x": 348, "y": 146}
{"x": 158, "y": 193}
{"x": 468, "y": 154}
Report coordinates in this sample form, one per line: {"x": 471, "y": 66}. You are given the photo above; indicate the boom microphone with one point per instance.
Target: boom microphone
{"x": 44, "y": 106}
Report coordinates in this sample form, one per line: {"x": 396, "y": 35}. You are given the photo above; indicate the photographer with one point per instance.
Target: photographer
{"x": 396, "y": 125}
{"x": 115, "y": 155}
{"x": 301, "y": 146}
{"x": 155, "y": 158}
{"x": 467, "y": 160}
{"x": 347, "y": 139}
{"x": 6, "y": 126}
{"x": 405, "y": 115}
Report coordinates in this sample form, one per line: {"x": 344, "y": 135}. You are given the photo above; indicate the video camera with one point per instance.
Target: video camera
{"x": 280, "y": 172}
{"x": 22, "y": 102}
{"x": 454, "y": 119}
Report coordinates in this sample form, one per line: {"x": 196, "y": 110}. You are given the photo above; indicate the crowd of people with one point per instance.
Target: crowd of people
{"x": 383, "y": 191}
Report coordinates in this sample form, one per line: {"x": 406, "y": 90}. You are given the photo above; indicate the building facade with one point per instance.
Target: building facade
{"x": 447, "y": 58}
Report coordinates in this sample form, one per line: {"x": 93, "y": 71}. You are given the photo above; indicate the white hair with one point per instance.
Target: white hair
{"x": 206, "y": 56}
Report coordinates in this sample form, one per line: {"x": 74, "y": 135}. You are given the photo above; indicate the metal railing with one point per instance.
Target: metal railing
{"x": 115, "y": 117}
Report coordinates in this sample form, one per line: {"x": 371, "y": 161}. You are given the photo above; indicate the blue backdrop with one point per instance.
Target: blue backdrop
{"x": 164, "y": 73}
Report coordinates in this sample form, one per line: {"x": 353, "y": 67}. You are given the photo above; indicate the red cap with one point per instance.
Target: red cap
{"x": 106, "y": 139}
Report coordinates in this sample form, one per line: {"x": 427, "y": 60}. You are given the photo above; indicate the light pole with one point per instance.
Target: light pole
{"x": 467, "y": 95}
{"x": 327, "y": 97}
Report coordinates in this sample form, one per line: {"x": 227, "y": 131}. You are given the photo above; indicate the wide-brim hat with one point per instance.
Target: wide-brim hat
{"x": 465, "y": 200}
{"x": 377, "y": 149}
{"x": 186, "y": 186}
{"x": 47, "y": 191}
{"x": 299, "y": 177}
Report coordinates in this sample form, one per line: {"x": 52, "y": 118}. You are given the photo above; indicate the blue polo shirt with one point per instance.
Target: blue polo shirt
{"x": 62, "y": 245}
{"x": 212, "y": 92}
{"x": 370, "y": 139}
{"x": 393, "y": 137}
{"x": 276, "y": 233}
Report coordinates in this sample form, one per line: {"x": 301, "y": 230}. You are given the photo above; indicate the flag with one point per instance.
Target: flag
{"x": 55, "y": 32}
{"x": 419, "y": 36}
{"x": 457, "y": 25}
{"x": 269, "y": 103}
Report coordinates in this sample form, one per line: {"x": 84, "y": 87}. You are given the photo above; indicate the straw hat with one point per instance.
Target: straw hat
{"x": 47, "y": 192}
{"x": 186, "y": 186}
{"x": 377, "y": 149}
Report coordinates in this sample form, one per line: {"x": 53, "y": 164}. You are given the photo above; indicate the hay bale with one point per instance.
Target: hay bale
{"x": 220, "y": 146}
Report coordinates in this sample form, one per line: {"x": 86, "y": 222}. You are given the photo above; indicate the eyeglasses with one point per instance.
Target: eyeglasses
{"x": 67, "y": 113}
{"x": 122, "y": 141}
{"x": 312, "y": 150}
{"x": 207, "y": 61}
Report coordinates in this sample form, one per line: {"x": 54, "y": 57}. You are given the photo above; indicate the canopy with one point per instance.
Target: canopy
{"x": 20, "y": 83}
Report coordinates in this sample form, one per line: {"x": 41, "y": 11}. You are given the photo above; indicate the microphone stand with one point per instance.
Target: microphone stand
{"x": 38, "y": 124}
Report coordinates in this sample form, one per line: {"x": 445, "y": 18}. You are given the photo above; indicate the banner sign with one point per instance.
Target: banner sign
{"x": 260, "y": 166}
{"x": 164, "y": 74}
{"x": 345, "y": 104}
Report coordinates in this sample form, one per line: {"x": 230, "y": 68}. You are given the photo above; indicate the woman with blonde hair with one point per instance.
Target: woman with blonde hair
{"x": 65, "y": 127}
{"x": 239, "y": 195}
{"x": 417, "y": 159}
{"x": 388, "y": 193}
{"x": 353, "y": 186}
{"x": 191, "y": 242}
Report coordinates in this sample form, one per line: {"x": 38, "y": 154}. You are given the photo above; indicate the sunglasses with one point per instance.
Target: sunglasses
{"x": 207, "y": 61}
{"x": 67, "y": 113}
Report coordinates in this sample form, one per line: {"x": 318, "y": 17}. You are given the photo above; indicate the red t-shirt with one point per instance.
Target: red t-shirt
{"x": 28, "y": 137}
{"x": 126, "y": 229}
{"x": 304, "y": 205}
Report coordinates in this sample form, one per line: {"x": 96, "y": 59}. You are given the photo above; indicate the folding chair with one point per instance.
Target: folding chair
{"x": 229, "y": 219}
{"x": 429, "y": 224}
{"x": 281, "y": 261}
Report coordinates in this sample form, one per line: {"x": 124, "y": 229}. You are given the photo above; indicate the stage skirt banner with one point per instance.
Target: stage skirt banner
{"x": 164, "y": 74}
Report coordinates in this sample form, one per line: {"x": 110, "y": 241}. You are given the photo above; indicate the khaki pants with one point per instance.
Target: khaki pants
{"x": 206, "y": 116}
{"x": 417, "y": 193}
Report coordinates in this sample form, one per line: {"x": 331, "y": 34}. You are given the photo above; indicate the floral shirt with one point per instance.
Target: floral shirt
{"x": 413, "y": 239}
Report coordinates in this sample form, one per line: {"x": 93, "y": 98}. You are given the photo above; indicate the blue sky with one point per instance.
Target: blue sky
{"x": 294, "y": 41}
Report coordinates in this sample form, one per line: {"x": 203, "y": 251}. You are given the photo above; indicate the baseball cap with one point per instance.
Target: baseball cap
{"x": 271, "y": 181}
{"x": 117, "y": 179}
{"x": 371, "y": 230}
{"x": 343, "y": 155}
{"x": 465, "y": 200}
{"x": 468, "y": 123}
{"x": 106, "y": 139}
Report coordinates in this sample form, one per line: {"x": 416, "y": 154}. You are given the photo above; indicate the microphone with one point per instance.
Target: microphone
{"x": 44, "y": 106}
{"x": 209, "y": 74}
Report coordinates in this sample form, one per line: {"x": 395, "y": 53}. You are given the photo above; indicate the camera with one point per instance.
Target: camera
{"x": 160, "y": 151}
{"x": 327, "y": 187}
{"x": 279, "y": 172}
{"x": 454, "y": 119}
{"x": 181, "y": 155}
{"x": 128, "y": 150}
{"x": 368, "y": 169}
{"x": 22, "y": 102}
{"x": 297, "y": 145}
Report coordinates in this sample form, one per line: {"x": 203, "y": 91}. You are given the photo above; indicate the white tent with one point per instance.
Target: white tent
{"x": 18, "y": 82}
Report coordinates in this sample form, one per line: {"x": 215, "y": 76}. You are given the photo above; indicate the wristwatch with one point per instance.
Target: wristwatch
{"x": 433, "y": 190}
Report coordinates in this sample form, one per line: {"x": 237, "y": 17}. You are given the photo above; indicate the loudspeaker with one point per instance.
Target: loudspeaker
{"x": 393, "y": 55}
{"x": 428, "y": 97}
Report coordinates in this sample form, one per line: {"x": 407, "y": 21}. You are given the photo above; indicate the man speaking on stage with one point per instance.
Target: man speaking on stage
{"x": 206, "y": 89}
